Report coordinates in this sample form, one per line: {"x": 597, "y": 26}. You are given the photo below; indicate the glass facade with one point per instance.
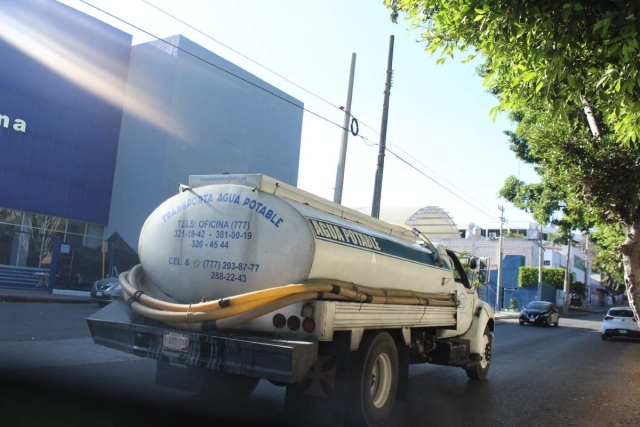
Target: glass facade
{"x": 26, "y": 238}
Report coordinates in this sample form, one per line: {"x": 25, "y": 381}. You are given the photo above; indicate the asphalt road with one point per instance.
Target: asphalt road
{"x": 53, "y": 374}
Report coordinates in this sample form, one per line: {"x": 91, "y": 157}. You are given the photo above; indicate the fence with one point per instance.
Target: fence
{"x": 516, "y": 298}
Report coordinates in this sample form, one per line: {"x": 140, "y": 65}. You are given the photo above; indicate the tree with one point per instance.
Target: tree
{"x": 567, "y": 71}
{"x": 567, "y": 54}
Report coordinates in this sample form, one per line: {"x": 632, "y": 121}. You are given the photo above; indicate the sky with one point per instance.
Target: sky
{"x": 438, "y": 114}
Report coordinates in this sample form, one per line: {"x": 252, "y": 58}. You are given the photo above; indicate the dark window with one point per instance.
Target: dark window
{"x": 621, "y": 313}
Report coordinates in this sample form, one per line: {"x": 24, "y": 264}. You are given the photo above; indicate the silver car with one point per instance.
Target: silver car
{"x": 105, "y": 290}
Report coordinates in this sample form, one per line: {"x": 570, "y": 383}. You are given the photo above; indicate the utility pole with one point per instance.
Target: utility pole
{"x": 499, "y": 286}
{"x": 540, "y": 262}
{"x": 540, "y": 258}
{"x": 337, "y": 195}
{"x": 377, "y": 190}
{"x": 567, "y": 280}
{"x": 587, "y": 273}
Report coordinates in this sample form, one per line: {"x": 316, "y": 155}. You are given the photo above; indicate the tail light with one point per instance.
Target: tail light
{"x": 293, "y": 323}
{"x": 309, "y": 325}
{"x": 608, "y": 317}
{"x": 279, "y": 320}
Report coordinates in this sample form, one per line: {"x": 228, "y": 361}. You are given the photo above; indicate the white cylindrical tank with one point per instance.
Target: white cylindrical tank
{"x": 217, "y": 241}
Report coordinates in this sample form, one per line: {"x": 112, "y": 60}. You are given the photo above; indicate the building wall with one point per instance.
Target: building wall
{"x": 58, "y": 133}
{"x": 483, "y": 247}
{"x": 555, "y": 259}
{"x": 186, "y": 117}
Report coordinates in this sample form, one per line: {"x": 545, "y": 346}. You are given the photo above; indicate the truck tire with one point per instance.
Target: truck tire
{"x": 480, "y": 370}
{"x": 373, "y": 380}
{"x": 221, "y": 386}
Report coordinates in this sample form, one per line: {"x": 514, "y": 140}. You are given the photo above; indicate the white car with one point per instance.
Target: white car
{"x": 620, "y": 322}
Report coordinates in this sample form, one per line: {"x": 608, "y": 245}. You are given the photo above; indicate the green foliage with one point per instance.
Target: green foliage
{"x": 545, "y": 61}
{"x": 588, "y": 181}
{"x": 513, "y": 304}
{"x": 607, "y": 260}
{"x": 544, "y": 52}
{"x": 528, "y": 276}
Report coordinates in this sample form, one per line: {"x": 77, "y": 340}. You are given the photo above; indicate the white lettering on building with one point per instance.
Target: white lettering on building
{"x": 18, "y": 125}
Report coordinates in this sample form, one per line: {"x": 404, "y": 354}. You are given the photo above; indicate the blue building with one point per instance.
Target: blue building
{"x": 190, "y": 112}
{"x": 95, "y": 133}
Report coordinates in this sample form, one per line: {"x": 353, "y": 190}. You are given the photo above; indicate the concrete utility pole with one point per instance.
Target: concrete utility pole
{"x": 499, "y": 285}
{"x": 567, "y": 280}
{"x": 540, "y": 262}
{"x": 540, "y": 255}
{"x": 337, "y": 195}
{"x": 587, "y": 273}
{"x": 377, "y": 190}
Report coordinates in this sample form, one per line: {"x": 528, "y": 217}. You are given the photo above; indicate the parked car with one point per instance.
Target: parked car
{"x": 540, "y": 313}
{"x": 620, "y": 322}
{"x": 105, "y": 290}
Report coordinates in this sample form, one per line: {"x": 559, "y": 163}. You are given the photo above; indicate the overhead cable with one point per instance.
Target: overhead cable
{"x": 211, "y": 63}
{"x": 239, "y": 53}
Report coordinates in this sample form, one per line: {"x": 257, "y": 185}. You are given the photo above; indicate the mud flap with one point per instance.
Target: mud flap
{"x": 320, "y": 398}
{"x": 403, "y": 374}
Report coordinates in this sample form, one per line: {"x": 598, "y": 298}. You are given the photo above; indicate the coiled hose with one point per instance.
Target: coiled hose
{"x": 238, "y": 309}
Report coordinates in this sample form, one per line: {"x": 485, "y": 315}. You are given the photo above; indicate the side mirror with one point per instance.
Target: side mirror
{"x": 473, "y": 263}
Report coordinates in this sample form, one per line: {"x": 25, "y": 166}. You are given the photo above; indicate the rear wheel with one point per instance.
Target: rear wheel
{"x": 605, "y": 337}
{"x": 373, "y": 380}
{"x": 480, "y": 370}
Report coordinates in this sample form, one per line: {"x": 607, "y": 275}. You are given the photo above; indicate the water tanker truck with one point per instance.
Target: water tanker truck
{"x": 243, "y": 277}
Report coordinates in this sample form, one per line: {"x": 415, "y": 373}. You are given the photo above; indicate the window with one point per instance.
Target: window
{"x": 547, "y": 262}
{"x": 621, "y": 313}
{"x": 76, "y": 227}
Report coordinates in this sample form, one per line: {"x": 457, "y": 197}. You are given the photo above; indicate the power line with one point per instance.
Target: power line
{"x": 372, "y": 143}
{"x": 239, "y": 53}
{"x": 426, "y": 167}
{"x": 284, "y": 99}
{"x": 211, "y": 63}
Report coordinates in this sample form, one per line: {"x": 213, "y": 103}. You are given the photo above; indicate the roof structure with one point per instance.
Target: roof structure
{"x": 434, "y": 222}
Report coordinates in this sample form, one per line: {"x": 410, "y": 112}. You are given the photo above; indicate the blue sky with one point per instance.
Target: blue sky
{"x": 439, "y": 114}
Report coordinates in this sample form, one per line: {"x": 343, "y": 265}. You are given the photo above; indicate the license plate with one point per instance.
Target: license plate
{"x": 623, "y": 331}
{"x": 175, "y": 341}
{"x": 99, "y": 293}
{"x": 532, "y": 318}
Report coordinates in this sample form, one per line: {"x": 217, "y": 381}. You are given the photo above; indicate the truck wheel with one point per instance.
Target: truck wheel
{"x": 221, "y": 386}
{"x": 373, "y": 380}
{"x": 480, "y": 370}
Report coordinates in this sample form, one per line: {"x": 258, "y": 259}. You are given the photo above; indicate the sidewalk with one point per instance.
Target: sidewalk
{"x": 8, "y": 294}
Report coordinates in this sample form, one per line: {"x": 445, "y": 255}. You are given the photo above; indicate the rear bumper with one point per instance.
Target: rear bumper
{"x": 619, "y": 333}
{"x": 117, "y": 327}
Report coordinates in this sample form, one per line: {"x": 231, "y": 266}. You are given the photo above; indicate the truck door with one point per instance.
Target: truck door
{"x": 465, "y": 292}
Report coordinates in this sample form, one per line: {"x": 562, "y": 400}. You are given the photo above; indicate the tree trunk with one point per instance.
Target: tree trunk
{"x": 631, "y": 260}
